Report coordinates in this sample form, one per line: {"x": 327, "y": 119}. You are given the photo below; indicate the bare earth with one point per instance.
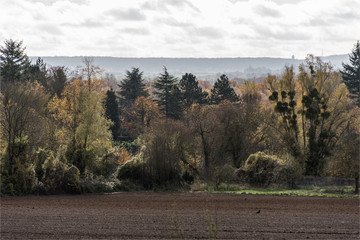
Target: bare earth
{"x": 149, "y": 215}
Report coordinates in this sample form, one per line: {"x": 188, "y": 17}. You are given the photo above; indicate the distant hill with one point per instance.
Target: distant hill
{"x": 207, "y": 68}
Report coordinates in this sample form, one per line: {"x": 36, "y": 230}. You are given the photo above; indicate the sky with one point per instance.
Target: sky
{"x": 182, "y": 28}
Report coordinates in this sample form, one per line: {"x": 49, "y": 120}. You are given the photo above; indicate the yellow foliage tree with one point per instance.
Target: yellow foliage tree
{"x": 83, "y": 127}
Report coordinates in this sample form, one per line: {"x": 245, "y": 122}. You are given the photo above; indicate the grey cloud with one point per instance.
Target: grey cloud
{"x": 129, "y": 15}
{"x": 136, "y": 31}
{"x": 267, "y": 12}
{"x": 349, "y": 15}
{"x": 281, "y": 2}
{"x": 235, "y": 1}
{"x": 87, "y": 23}
{"x": 173, "y": 22}
{"x": 90, "y": 23}
{"x": 51, "y": 2}
{"x": 207, "y": 32}
{"x": 317, "y": 22}
{"x": 49, "y": 28}
{"x": 165, "y": 4}
{"x": 286, "y": 33}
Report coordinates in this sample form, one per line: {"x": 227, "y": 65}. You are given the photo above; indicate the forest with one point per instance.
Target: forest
{"x": 81, "y": 131}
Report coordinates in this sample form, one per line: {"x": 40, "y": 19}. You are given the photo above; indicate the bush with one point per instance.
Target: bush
{"x": 224, "y": 174}
{"x": 134, "y": 171}
{"x": 165, "y": 150}
{"x": 187, "y": 177}
{"x": 59, "y": 177}
{"x": 262, "y": 170}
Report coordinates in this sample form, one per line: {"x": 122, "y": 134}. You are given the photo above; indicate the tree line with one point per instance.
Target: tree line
{"x": 73, "y": 132}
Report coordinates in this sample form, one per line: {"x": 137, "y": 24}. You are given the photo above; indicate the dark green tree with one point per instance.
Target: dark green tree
{"x": 222, "y": 91}
{"x": 351, "y": 73}
{"x": 315, "y": 110}
{"x": 13, "y": 62}
{"x": 38, "y": 72}
{"x": 168, "y": 95}
{"x": 57, "y": 79}
{"x": 132, "y": 87}
{"x": 112, "y": 113}
{"x": 191, "y": 91}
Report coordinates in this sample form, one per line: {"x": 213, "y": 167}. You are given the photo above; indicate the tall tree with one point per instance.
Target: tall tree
{"x": 132, "y": 87}
{"x": 168, "y": 95}
{"x": 13, "y": 61}
{"x": 57, "y": 79}
{"x": 22, "y": 119}
{"x": 83, "y": 127}
{"x": 112, "y": 113}
{"x": 222, "y": 91}
{"x": 351, "y": 73}
{"x": 191, "y": 91}
{"x": 283, "y": 94}
{"x": 38, "y": 72}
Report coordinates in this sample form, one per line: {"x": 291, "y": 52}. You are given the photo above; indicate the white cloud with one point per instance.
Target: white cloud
{"x": 182, "y": 28}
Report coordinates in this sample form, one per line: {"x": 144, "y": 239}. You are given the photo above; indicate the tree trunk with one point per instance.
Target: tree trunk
{"x": 356, "y": 191}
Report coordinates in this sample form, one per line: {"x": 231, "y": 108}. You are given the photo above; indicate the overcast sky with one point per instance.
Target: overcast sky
{"x": 182, "y": 28}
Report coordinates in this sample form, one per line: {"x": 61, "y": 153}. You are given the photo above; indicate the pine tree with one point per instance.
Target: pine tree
{"x": 112, "y": 113}
{"x": 191, "y": 91}
{"x": 132, "y": 87}
{"x": 222, "y": 91}
{"x": 351, "y": 73}
{"x": 168, "y": 95}
{"x": 13, "y": 61}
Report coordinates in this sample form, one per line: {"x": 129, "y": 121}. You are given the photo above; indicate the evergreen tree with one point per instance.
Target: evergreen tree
{"x": 112, "y": 113}
{"x": 222, "y": 91}
{"x": 132, "y": 87}
{"x": 58, "y": 79}
{"x": 38, "y": 72}
{"x": 168, "y": 95}
{"x": 351, "y": 73}
{"x": 191, "y": 91}
{"x": 13, "y": 61}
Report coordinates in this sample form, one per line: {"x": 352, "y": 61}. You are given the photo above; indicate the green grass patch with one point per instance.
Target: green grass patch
{"x": 308, "y": 191}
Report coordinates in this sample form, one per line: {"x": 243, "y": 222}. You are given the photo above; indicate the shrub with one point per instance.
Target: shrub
{"x": 262, "y": 170}
{"x": 224, "y": 174}
{"x": 166, "y": 150}
{"x": 187, "y": 177}
{"x": 134, "y": 171}
{"x": 60, "y": 177}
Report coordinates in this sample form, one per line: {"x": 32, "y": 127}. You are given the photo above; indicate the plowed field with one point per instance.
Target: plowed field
{"x": 148, "y": 215}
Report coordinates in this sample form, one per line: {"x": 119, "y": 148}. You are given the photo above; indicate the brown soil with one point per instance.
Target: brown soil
{"x": 148, "y": 215}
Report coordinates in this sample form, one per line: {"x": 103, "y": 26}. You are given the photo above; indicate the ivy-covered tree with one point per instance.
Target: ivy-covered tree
{"x": 351, "y": 73}
{"x": 112, "y": 113}
{"x": 283, "y": 95}
{"x": 223, "y": 91}
{"x": 168, "y": 95}
{"x": 132, "y": 87}
{"x": 191, "y": 91}
{"x": 325, "y": 112}
{"x": 13, "y": 62}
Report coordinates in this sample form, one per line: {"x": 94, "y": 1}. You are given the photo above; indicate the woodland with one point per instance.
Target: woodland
{"x": 82, "y": 131}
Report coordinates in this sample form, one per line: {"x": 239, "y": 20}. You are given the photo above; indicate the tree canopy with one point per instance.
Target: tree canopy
{"x": 351, "y": 73}
{"x": 222, "y": 91}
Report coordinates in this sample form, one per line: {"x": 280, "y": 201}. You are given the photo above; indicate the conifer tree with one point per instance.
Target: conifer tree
{"x": 351, "y": 73}
{"x": 112, "y": 113}
{"x": 168, "y": 95}
{"x": 191, "y": 91}
{"x": 13, "y": 61}
{"x": 132, "y": 87}
{"x": 222, "y": 91}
